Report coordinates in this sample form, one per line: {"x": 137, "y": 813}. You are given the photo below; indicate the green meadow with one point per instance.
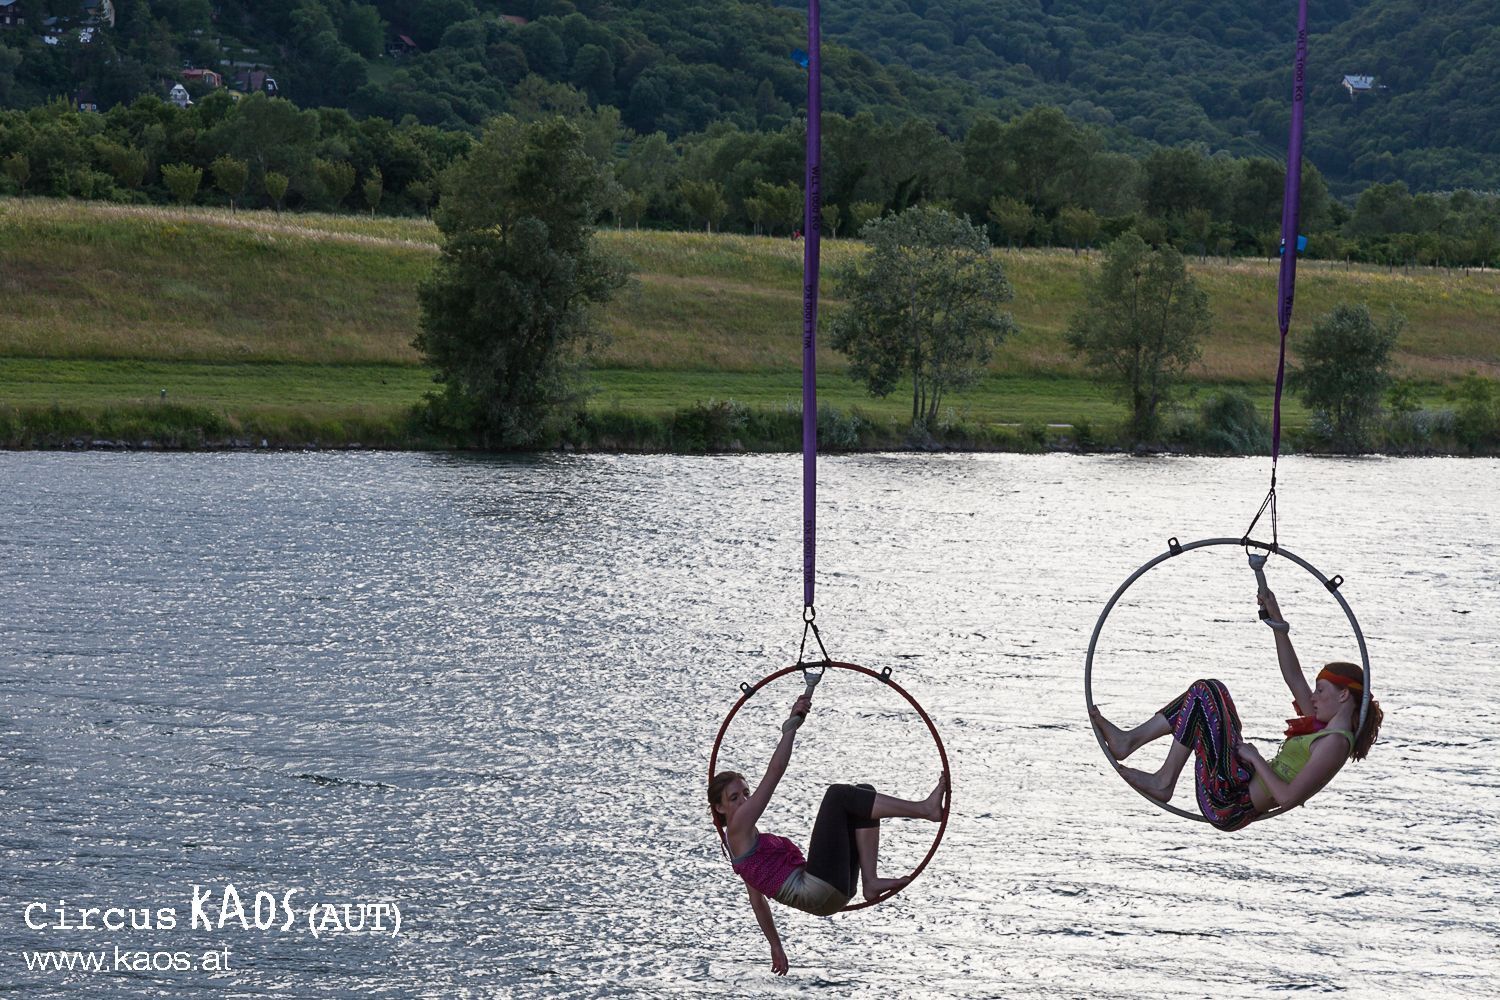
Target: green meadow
{"x": 299, "y": 327}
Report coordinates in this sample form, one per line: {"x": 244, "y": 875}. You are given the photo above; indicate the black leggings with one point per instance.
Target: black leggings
{"x": 832, "y": 854}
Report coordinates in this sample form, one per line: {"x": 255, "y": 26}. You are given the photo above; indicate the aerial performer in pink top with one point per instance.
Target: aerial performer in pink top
{"x": 1235, "y": 784}
{"x": 841, "y": 852}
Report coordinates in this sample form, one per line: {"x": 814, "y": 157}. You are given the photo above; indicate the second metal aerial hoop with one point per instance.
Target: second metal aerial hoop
{"x": 1175, "y": 548}
{"x": 883, "y": 676}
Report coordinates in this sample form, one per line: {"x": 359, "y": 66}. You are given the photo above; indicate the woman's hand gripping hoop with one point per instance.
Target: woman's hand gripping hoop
{"x": 1258, "y": 565}
{"x": 797, "y": 718}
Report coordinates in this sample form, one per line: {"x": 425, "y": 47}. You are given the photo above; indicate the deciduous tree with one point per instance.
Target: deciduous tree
{"x": 831, "y": 215}
{"x": 705, "y": 200}
{"x": 373, "y": 188}
{"x": 505, "y": 314}
{"x": 1476, "y": 419}
{"x": 336, "y": 178}
{"x": 126, "y": 163}
{"x": 1343, "y": 368}
{"x": 861, "y": 213}
{"x": 1014, "y": 218}
{"x": 924, "y": 304}
{"x": 182, "y": 179}
{"x": 1079, "y": 226}
{"x": 276, "y": 185}
{"x": 230, "y": 176}
{"x": 1140, "y": 326}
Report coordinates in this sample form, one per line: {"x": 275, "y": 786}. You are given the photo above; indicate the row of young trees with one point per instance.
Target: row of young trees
{"x": 1039, "y": 179}
{"x": 1139, "y": 331}
{"x": 925, "y": 312}
{"x": 506, "y": 315}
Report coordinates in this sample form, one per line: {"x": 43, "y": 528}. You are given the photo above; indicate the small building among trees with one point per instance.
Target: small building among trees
{"x": 1357, "y": 85}
{"x": 207, "y": 77}
{"x": 178, "y": 95}
{"x": 10, "y": 14}
{"x": 99, "y": 11}
{"x": 255, "y": 81}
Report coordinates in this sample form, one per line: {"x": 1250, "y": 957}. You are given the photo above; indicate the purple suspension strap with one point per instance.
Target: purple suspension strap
{"x": 1286, "y": 286}
{"x": 812, "y": 226}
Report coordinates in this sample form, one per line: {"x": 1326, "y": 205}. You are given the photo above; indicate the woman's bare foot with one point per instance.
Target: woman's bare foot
{"x": 875, "y": 887}
{"x": 1114, "y": 737}
{"x": 1154, "y": 785}
{"x": 933, "y": 804}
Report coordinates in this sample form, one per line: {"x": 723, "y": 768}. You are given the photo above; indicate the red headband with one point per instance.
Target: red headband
{"x": 1339, "y": 680}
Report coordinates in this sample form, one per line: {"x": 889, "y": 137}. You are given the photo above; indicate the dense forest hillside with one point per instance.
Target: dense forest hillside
{"x": 1218, "y": 71}
{"x": 1215, "y": 72}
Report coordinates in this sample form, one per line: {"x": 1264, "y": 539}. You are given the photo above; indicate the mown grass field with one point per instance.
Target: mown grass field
{"x": 313, "y": 315}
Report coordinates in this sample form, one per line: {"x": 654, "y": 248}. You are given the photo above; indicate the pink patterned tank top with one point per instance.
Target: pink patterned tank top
{"x": 769, "y": 863}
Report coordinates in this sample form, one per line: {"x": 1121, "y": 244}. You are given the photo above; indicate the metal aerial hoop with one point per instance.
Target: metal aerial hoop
{"x": 811, "y": 231}
{"x": 1174, "y": 549}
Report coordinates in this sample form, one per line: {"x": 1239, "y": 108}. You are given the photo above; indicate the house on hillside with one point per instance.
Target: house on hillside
{"x": 255, "y": 81}
{"x": 178, "y": 95}
{"x": 204, "y": 76}
{"x": 83, "y": 100}
{"x": 403, "y": 45}
{"x": 99, "y": 11}
{"x": 1357, "y": 85}
{"x": 10, "y": 14}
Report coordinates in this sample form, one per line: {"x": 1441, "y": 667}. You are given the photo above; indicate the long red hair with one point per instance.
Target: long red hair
{"x": 1366, "y": 734}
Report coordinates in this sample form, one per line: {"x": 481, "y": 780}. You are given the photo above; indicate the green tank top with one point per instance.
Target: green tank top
{"x": 1295, "y": 751}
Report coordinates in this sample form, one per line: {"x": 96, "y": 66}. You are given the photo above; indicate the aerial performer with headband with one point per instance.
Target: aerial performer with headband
{"x": 843, "y": 850}
{"x": 1235, "y": 784}
{"x": 1337, "y": 719}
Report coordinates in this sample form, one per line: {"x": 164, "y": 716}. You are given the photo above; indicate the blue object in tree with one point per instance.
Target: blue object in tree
{"x": 800, "y": 58}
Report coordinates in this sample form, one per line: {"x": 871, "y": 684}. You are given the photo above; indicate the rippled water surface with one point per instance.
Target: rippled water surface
{"x": 486, "y": 690}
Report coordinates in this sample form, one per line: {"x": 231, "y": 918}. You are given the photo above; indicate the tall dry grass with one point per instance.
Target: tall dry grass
{"x": 89, "y": 280}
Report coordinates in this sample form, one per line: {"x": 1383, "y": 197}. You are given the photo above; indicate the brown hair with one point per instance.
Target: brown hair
{"x": 716, "y": 786}
{"x": 1368, "y": 732}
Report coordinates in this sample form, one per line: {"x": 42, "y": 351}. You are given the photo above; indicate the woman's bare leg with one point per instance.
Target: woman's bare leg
{"x": 1159, "y": 786}
{"x": 867, "y": 839}
{"x": 1122, "y": 743}
{"x": 930, "y": 808}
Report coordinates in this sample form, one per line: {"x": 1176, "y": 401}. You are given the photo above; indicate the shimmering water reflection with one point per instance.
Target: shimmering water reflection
{"x": 486, "y": 690}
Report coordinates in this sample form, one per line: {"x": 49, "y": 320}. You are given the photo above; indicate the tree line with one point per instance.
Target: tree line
{"x": 924, "y": 312}
{"x": 1145, "y": 74}
{"x": 506, "y": 319}
{"x": 1037, "y": 179}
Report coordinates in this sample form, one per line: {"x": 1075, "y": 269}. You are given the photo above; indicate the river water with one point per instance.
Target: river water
{"x": 484, "y": 691}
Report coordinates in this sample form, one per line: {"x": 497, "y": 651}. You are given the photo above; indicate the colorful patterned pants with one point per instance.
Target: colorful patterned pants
{"x": 1204, "y": 720}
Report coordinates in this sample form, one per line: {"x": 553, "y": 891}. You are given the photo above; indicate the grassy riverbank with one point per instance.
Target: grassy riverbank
{"x": 298, "y": 328}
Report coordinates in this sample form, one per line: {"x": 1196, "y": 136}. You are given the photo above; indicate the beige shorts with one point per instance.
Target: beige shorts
{"x": 810, "y": 894}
